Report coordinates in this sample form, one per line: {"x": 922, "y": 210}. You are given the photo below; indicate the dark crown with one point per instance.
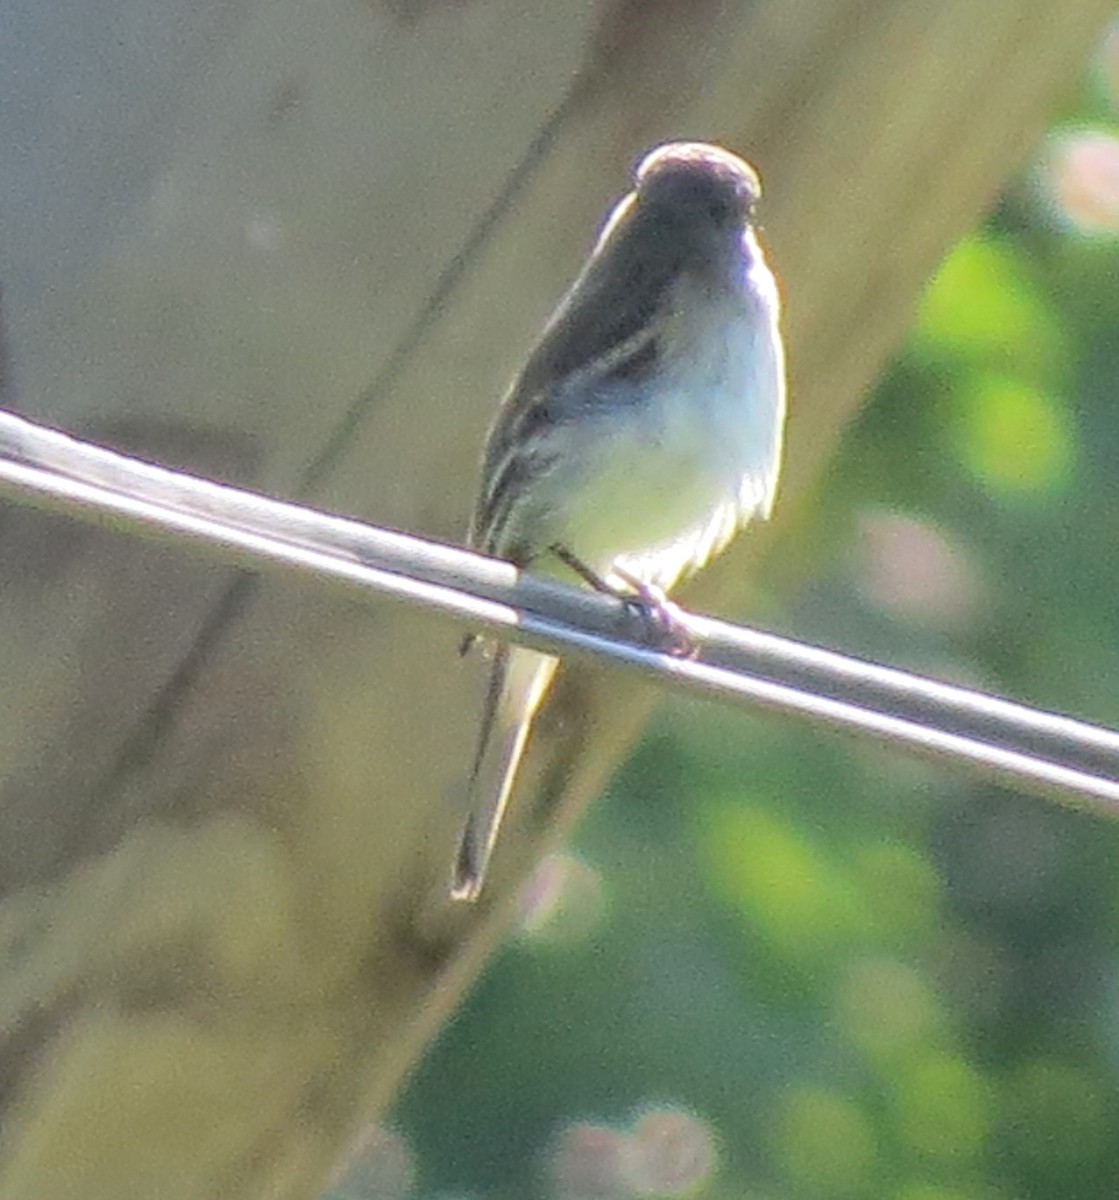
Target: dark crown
{"x": 698, "y": 175}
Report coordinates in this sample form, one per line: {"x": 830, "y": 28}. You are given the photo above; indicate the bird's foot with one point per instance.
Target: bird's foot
{"x": 663, "y": 625}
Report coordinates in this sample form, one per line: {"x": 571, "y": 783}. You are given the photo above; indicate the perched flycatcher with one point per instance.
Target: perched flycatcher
{"x": 643, "y": 431}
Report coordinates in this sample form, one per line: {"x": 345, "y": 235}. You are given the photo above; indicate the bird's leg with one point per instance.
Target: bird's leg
{"x": 582, "y": 570}
{"x": 663, "y": 625}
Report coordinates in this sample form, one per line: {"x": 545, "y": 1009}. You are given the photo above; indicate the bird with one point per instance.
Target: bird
{"x": 643, "y": 431}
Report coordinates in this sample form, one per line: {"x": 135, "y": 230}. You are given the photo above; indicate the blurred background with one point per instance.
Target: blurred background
{"x": 779, "y": 965}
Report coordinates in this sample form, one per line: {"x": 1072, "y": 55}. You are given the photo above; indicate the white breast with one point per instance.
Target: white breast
{"x": 666, "y": 482}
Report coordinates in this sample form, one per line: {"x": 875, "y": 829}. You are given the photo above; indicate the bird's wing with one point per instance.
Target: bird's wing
{"x": 606, "y": 327}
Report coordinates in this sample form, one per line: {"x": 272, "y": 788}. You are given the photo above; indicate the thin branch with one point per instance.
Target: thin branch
{"x": 1051, "y": 755}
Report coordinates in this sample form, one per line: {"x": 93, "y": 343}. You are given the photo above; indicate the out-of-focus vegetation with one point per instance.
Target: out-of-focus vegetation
{"x": 790, "y": 966}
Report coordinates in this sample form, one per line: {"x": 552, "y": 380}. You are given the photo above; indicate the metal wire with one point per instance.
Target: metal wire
{"x": 1051, "y": 755}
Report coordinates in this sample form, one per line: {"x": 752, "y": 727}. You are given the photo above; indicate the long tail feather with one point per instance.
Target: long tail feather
{"x": 519, "y": 680}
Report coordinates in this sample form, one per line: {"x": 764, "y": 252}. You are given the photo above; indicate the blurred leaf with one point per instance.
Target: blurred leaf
{"x": 781, "y": 884}
{"x": 983, "y": 308}
{"x": 900, "y": 888}
{"x": 943, "y": 1109}
{"x": 824, "y": 1142}
{"x": 1014, "y": 438}
{"x": 887, "y": 1009}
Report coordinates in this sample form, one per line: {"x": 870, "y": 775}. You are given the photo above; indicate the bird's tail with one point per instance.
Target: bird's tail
{"x": 519, "y": 680}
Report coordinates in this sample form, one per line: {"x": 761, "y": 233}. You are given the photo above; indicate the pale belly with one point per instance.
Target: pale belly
{"x": 664, "y": 485}
{"x": 661, "y": 482}
{"x": 638, "y": 496}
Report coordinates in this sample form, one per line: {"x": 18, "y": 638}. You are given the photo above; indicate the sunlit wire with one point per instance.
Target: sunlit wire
{"x": 1056, "y": 756}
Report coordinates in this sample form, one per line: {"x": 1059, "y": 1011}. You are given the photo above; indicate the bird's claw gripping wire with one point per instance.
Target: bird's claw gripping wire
{"x": 664, "y": 627}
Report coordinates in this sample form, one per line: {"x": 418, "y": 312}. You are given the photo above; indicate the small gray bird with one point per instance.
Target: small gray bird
{"x": 643, "y": 432}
